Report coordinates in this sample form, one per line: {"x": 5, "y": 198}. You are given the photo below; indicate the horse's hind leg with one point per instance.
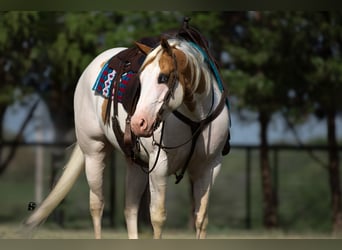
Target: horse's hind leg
{"x": 94, "y": 166}
{"x": 136, "y": 182}
{"x": 201, "y": 190}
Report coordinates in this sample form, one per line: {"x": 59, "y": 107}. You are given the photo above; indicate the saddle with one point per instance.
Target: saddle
{"x": 125, "y": 89}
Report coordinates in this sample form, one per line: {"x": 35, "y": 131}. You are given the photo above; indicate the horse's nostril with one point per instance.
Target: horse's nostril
{"x": 142, "y": 123}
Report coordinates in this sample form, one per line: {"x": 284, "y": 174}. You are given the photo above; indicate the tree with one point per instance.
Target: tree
{"x": 325, "y": 92}
{"x": 16, "y": 43}
{"x": 252, "y": 42}
{"x": 313, "y": 74}
{"x": 298, "y": 56}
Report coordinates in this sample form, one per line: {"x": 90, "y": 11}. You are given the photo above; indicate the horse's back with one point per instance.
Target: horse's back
{"x": 91, "y": 72}
{"x": 87, "y": 105}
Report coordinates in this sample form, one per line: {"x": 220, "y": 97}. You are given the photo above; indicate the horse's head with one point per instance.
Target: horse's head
{"x": 167, "y": 80}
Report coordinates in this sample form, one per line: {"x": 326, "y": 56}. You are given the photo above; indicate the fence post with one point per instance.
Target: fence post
{"x": 275, "y": 179}
{"x": 39, "y": 169}
{"x": 248, "y": 189}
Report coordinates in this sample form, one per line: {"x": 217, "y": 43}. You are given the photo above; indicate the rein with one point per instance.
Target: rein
{"x": 196, "y": 129}
{"x": 158, "y": 153}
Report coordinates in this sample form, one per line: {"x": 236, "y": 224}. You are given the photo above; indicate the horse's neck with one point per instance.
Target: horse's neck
{"x": 205, "y": 104}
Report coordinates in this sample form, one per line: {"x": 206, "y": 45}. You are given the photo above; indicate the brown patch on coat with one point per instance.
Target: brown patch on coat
{"x": 104, "y": 110}
{"x": 167, "y": 66}
{"x": 103, "y": 64}
{"x": 201, "y": 85}
{"x": 185, "y": 77}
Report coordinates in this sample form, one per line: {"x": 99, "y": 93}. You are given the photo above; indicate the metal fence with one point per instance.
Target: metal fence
{"x": 274, "y": 151}
{"x": 246, "y": 217}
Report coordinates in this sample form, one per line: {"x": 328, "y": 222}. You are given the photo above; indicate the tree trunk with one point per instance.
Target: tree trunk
{"x": 334, "y": 173}
{"x": 270, "y": 219}
{"x": 2, "y": 113}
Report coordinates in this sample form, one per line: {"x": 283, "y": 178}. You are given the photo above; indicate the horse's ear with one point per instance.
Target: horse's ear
{"x": 143, "y": 48}
{"x": 166, "y": 46}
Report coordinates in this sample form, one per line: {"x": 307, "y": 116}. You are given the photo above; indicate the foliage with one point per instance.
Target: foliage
{"x": 325, "y": 79}
{"x": 16, "y": 40}
{"x": 53, "y": 48}
{"x": 255, "y": 46}
{"x": 279, "y": 58}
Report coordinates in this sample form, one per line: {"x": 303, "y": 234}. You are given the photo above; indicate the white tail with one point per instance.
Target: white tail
{"x": 72, "y": 170}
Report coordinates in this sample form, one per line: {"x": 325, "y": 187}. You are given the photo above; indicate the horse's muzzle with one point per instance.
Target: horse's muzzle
{"x": 141, "y": 127}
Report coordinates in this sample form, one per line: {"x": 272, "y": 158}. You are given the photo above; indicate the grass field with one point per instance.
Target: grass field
{"x": 10, "y": 231}
{"x": 303, "y": 189}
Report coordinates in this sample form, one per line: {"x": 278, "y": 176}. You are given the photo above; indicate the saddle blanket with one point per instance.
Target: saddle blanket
{"x": 105, "y": 80}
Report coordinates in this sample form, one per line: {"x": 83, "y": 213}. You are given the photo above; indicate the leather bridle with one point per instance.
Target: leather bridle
{"x": 196, "y": 127}
{"x": 171, "y": 84}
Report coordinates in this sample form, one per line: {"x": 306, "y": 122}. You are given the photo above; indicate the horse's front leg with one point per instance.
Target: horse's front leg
{"x": 136, "y": 181}
{"x": 158, "y": 183}
{"x": 201, "y": 191}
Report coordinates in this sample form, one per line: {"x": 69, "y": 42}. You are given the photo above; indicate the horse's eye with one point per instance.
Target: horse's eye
{"x": 163, "y": 78}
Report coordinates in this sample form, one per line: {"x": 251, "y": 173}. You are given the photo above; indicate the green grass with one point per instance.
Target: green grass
{"x": 11, "y": 231}
{"x": 304, "y": 204}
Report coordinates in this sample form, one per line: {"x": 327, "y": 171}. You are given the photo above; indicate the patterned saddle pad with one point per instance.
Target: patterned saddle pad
{"x": 120, "y": 70}
{"x": 105, "y": 80}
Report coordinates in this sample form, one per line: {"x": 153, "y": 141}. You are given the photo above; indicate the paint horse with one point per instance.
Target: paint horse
{"x": 180, "y": 122}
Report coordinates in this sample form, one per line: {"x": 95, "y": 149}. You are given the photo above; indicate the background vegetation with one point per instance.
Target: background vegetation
{"x": 272, "y": 62}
